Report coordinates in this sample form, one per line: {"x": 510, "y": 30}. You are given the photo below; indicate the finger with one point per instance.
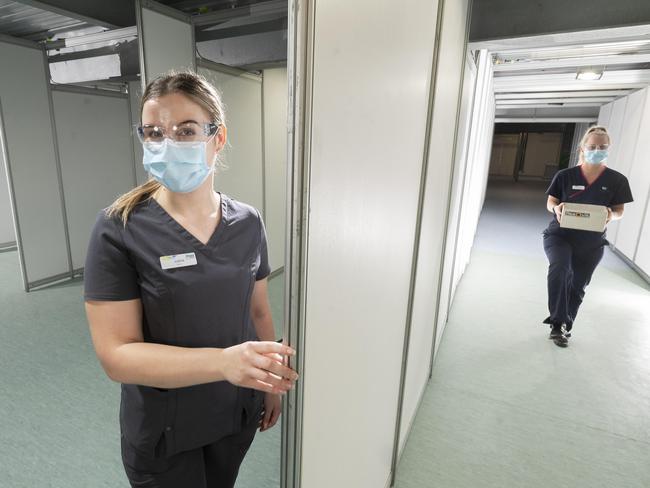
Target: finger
{"x": 268, "y": 364}
{"x": 267, "y": 419}
{"x": 275, "y": 417}
{"x": 263, "y": 347}
{"x": 276, "y": 357}
{"x": 269, "y": 378}
{"x": 262, "y": 386}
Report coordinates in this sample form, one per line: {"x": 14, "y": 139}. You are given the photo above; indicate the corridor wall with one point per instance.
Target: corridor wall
{"x": 7, "y": 233}
{"x": 440, "y": 166}
{"x": 255, "y": 156}
{"x": 243, "y": 155}
{"x": 628, "y": 120}
{"x": 96, "y": 154}
{"x": 33, "y": 170}
{"x": 478, "y": 161}
{"x": 274, "y": 108}
{"x": 166, "y": 39}
{"x": 367, "y": 136}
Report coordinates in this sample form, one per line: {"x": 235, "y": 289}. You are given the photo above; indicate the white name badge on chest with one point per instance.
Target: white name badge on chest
{"x": 578, "y": 187}
{"x": 178, "y": 260}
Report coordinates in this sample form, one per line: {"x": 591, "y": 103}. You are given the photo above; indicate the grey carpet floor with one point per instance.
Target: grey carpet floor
{"x": 506, "y": 407}
{"x": 58, "y": 410}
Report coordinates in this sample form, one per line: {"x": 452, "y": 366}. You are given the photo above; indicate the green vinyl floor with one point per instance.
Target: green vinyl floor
{"x": 505, "y": 406}
{"x": 59, "y": 411}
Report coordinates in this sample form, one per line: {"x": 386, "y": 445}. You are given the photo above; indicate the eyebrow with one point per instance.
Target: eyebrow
{"x": 189, "y": 121}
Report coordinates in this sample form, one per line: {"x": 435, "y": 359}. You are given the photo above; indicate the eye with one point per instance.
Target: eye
{"x": 186, "y": 132}
{"x": 152, "y": 133}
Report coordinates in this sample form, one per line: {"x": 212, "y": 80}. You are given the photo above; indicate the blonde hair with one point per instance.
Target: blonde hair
{"x": 595, "y": 129}
{"x": 196, "y": 88}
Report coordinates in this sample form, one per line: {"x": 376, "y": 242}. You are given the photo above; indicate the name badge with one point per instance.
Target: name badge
{"x": 178, "y": 260}
{"x": 578, "y": 187}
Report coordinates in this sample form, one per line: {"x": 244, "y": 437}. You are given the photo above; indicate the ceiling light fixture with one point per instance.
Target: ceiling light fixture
{"x": 589, "y": 74}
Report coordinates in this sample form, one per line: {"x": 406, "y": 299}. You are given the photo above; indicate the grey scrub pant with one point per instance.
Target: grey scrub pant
{"x": 571, "y": 265}
{"x": 214, "y": 465}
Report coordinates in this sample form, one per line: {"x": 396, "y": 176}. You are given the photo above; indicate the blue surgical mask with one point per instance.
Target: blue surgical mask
{"x": 179, "y": 166}
{"x": 596, "y": 156}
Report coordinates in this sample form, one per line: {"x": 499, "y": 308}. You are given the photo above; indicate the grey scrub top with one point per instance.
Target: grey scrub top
{"x": 206, "y": 304}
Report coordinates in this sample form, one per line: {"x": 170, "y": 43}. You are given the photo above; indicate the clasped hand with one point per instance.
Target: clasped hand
{"x": 260, "y": 365}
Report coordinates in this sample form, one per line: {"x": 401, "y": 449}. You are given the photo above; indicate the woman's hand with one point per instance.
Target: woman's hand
{"x": 272, "y": 410}
{"x": 558, "y": 211}
{"x": 259, "y": 365}
{"x": 609, "y": 215}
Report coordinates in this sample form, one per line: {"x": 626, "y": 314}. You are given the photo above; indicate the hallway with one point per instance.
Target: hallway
{"x": 505, "y": 406}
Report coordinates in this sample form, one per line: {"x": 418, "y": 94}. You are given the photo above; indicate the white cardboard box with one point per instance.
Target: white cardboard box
{"x": 583, "y": 216}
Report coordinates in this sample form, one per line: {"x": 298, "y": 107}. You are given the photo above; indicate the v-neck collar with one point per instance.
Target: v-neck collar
{"x": 214, "y": 238}
{"x": 584, "y": 176}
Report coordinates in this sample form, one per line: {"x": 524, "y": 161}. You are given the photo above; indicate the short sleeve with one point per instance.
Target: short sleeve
{"x": 109, "y": 273}
{"x": 265, "y": 269}
{"x": 623, "y": 193}
{"x": 555, "y": 189}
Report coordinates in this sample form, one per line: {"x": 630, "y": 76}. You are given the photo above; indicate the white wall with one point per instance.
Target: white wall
{"x": 95, "y": 146}
{"x": 26, "y": 111}
{"x": 628, "y": 120}
{"x": 447, "y": 95}
{"x": 7, "y": 233}
{"x": 370, "y": 84}
{"x": 168, "y": 42}
{"x": 504, "y": 154}
{"x": 478, "y": 157}
{"x": 135, "y": 94}
{"x": 242, "y": 97}
{"x": 275, "y": 99}
{"x": 541, "y": 149}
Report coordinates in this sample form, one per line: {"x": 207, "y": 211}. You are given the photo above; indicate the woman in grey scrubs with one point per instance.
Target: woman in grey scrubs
{"x": 176, "y": 298}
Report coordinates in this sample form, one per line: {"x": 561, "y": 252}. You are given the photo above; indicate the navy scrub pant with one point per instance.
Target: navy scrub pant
{"x": 571, "y": 264}
{"x": 215, "y": 465}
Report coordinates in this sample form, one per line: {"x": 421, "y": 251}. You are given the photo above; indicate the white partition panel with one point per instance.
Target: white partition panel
{"x": 369, "y": 102}
{"x": 166, "y": 39}
{"x": 28, "y": 143}
{"x": 242, "y": 97}
{"x": 7, "y": 232}
{"x": 447, "y": 95}
{"x": 478, "y": 159}
{"x": 93, "y": 132}
{"x": 632, "y": 161}
{"x": 615, "y": 129}
{"x": 466, "y": 132}
{"x": 625, "y": 140}
{"x": 605, "y": 114}
{"x": 135, "y": 94}
{"x": 642, "y": 257}
{"x": 275, "y": 99}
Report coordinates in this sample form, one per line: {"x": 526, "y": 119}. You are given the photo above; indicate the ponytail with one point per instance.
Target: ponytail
{"x": 127, "y": 202}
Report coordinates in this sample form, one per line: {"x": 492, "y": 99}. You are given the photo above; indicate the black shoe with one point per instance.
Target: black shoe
{"x": 558, "y": 335}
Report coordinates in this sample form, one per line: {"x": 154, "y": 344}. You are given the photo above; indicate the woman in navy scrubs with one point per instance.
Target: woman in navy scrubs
{"x": 176, "y": 298}
{"x": 574, "y": 254}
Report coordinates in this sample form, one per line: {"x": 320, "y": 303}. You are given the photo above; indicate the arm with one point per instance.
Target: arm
{"x": 116, "y": 331}
{"x": 615, "y": 212}
{"x": 261, "y": 311}
{"x": 554, "y": 206}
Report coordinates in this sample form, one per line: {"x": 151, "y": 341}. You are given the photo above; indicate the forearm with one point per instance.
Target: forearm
{"x": 264, "y": 326}
{"x": 616, "y": 214}
{"x": 164, "y": 366}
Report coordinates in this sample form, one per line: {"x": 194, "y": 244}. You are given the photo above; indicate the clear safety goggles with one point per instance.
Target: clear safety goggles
{"x": 191, "y": 132}
{"x": 594, "y": 147}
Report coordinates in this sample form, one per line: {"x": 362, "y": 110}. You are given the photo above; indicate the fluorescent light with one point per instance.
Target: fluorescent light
{"x": 589, "y": 74}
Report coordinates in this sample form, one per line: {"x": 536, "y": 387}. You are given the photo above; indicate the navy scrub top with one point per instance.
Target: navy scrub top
{"x": 206, "y": 304}
{"x": 611, "y": 188}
